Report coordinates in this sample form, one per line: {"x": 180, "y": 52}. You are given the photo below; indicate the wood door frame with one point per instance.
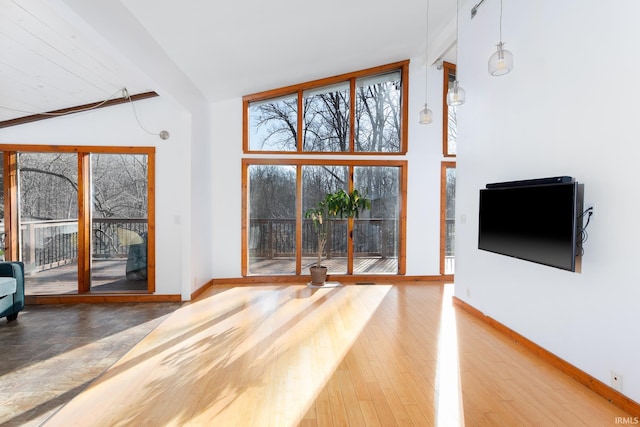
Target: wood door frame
{"x": 11, "y": 192}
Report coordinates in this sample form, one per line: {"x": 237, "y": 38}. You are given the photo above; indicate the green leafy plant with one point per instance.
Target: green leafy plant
{"x": 339, "y": 204}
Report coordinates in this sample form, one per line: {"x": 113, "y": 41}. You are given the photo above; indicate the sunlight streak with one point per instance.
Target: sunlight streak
{"x": 234, "y": 349}
{"x": 448, "y": 391}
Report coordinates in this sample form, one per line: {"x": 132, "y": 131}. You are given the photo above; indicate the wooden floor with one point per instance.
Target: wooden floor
{"x": 375, "y": 355}
{"x": 53, "y": 352}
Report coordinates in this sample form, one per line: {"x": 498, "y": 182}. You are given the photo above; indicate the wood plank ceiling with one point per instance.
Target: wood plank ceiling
{"x": 47, "y": 63}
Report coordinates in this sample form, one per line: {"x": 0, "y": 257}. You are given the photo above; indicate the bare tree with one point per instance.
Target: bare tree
{"x": 48, "y": 185}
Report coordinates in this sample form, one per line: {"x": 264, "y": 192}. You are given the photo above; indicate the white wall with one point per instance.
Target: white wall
{"x": 116, "y": 126}
{"x": 227, "y": 188}
{"x": 567, "y": 108}
{"x": 424, "y": 157}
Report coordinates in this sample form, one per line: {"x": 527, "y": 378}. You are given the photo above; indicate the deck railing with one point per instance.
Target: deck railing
{"x": 50, "y": 244}
{"x": 276, "y": 238}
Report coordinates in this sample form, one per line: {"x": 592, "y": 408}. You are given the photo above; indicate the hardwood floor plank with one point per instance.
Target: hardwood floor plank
{"x": 381, "y": 404}
{"x": 349, "y": 397}
{"x": 369, "y": 413}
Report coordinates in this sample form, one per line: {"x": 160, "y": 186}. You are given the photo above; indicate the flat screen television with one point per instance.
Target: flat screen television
{"x": 537, "y": 220}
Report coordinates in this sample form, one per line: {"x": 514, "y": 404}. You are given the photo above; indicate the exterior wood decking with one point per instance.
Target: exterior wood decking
{"x": 108, "y": 276}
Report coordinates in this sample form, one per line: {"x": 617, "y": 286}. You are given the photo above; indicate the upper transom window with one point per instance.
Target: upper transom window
{"x": 361, "y": 112}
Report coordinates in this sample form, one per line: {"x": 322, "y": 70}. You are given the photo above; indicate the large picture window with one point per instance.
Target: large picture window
{"x": 278, "y": 240}
{"x": 362, "y": 112}
{"x": 355, "y": 114}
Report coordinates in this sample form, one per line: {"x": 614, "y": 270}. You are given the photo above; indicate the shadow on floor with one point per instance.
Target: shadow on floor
{"x": 52, "y": 352}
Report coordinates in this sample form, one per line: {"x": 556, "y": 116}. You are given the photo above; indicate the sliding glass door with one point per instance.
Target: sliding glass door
{"x": 80, "y": 218}
{"x": 48, "y": 221}
{"x": 119, "y": 219}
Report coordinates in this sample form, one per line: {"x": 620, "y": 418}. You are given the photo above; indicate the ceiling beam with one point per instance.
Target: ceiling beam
{"x": 76, "y": 109}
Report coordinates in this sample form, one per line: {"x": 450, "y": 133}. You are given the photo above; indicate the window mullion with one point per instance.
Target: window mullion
{"x": 352, "y": 116}
{"x": 84, "y": 222}
{"x": 11, "y": 220}
{"x": 350, "y": 223}
{"x": 300, "y": 141}
{"x": 299, "y": 220}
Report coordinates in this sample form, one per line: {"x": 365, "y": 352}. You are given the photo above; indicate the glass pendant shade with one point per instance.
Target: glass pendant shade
{"x": 455, "y": 95}
{"x": 426, "y": 116}
{"x": 501, "y": 62}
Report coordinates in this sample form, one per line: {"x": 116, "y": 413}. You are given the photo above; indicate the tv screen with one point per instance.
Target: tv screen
{"x": 534, "y": 220}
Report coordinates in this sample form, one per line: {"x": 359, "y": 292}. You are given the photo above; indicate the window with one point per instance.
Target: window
{"x": 447, "y": 218}
{"x": 326, "y": 118}
{"x": 363, "y": 112}
{"x": 278, "y": 240}
{"x": 271, "y": 232}
{"x": 378, "y": 104}
{"x": 274, "y": 124}
{"x": 449, "y": 116}
{"x": 376, "y": 236}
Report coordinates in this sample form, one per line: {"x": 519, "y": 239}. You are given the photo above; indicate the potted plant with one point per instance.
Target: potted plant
{"x": 339, "y": 204}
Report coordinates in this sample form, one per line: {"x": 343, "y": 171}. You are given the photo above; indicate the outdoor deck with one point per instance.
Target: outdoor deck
{"x": 108, "y": 276}
{"x": 363, "y": 265}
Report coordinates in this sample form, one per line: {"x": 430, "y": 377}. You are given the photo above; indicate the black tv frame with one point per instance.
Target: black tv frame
{"x": 574, "y": 264}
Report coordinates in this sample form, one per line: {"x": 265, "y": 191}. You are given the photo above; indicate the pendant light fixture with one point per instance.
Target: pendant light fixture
{"x": 455, "y": 94}
{"x": 426, "y": 115}
{"x": 501, "y": 62}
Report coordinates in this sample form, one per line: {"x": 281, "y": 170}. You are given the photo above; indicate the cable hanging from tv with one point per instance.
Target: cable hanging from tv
{"x": 583, "y": 230}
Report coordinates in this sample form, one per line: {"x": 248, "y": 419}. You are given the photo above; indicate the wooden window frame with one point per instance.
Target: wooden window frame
{"x": 447, "y": 70}
{"x": 299, "y": 163}
{"x": 402, "y": 66}
{"x": 12, "y": 227}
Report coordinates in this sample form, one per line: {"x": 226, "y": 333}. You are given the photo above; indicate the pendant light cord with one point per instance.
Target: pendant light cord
{"x": 125, "y": 94}
{"x": 457, "y": 34}
{"x": 426, "y": 79}
{"x": 500, "y": 21}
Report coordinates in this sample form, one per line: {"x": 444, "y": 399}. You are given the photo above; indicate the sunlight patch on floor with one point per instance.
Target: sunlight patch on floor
{"x": 448, "y": 391}
{"x": 222, "y": 359}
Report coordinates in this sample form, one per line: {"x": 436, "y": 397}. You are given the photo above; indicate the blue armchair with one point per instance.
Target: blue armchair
{"x": 11, "y": 289}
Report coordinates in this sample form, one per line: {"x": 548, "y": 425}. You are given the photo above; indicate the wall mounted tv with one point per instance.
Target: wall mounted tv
{"x": 538, "y": 220}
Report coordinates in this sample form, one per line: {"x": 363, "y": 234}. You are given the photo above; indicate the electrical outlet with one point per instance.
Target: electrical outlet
{"x": 468, "y": 293}
{"x": 616, "y": 381}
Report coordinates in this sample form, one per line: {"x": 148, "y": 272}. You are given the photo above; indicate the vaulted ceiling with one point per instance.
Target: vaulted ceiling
{"x": 57, "y": 54}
